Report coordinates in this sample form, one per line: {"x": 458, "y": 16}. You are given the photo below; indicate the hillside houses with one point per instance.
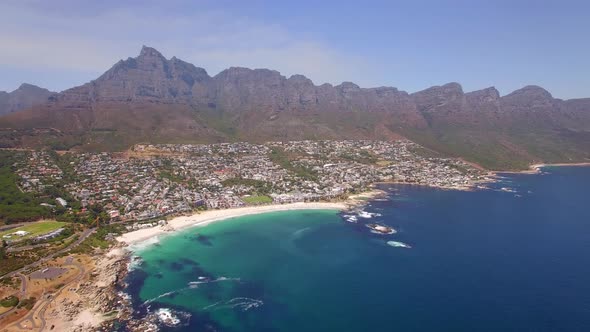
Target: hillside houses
{"x": 157, "y": 180}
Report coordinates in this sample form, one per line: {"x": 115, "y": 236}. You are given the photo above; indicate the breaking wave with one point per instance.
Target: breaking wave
{"x": 205, "y": 280}
{"x": 134, "y": 263}
{"x": 368, "y": 215}
{"x": 191, "y": 285}
{"x": 159, "y": 297}
{"x": 398, "y": 244}
{"x": 144, "y": 244}
{"x": 172, "y": 318}
{"x": 240, "y": 303}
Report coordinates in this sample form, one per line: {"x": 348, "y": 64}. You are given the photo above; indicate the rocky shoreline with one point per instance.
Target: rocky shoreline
{"x": 119, "y": 304}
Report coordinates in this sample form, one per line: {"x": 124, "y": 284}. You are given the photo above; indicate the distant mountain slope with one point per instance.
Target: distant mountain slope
{"x": 22, "y": 98}
{"x": 151, "y": 98}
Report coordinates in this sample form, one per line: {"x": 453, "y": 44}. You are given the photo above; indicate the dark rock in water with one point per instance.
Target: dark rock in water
{"x": 176, "y": 266}
{"x": 186, "y": 261}
{"x": 203, "y": 239}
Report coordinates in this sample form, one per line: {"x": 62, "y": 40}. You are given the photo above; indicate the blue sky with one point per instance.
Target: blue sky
{"x": 410, "y": 45}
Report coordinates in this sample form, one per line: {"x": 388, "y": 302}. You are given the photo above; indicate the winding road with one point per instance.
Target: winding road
{"x": 43, "y": 304}
{"x": 18, "y": 273}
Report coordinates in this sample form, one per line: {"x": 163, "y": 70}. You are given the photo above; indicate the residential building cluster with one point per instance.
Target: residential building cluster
{"x": 151, "y": 181}
{"x": 37, "y": 170}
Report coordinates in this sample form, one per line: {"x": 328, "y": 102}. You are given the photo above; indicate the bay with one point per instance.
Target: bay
{"x": 512, "y": 258}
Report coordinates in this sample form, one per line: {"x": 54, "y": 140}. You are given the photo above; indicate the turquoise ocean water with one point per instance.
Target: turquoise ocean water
{"x": 489, "y": 260}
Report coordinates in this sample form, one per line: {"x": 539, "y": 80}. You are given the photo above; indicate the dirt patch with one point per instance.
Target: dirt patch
{"x": 48, "y": 273}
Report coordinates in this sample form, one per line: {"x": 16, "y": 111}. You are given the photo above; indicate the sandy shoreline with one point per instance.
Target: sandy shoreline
{"x": 536, "y": 168}
{"x": 561, "y": 164}
{"x": 207, "y": 217}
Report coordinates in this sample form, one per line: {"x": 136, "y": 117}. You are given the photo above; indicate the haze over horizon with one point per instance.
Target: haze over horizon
{"x": 507, "y": 45}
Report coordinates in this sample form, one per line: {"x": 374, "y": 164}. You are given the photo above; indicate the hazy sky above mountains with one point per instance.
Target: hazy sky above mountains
{"x": 508, "y": 44}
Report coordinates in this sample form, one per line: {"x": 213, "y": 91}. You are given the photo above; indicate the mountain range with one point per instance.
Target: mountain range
{"x": 153, "y": 99}
{"x": 26, "y": 96}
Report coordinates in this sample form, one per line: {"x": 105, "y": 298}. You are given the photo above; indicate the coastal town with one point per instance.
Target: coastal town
{"x": 91, "y": 199}
{"x": 152, "y": 181}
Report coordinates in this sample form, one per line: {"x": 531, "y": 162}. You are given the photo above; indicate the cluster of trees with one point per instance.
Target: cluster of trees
{"x": 363, "y": 157}
{"x": 260, "y": 187}
{"x": 16, "y": 205}
{"x": 279, "y": 157}
{"x": 27, "y": 303}
{"x": 98, "y": 239}
{"x": 3, "y": 253}
{"x": 9, "y": 302}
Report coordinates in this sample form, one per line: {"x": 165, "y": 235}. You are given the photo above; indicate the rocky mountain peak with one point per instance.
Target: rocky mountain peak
{"x": 347, "y": 87}
{"x": 448, "y": 90}
{"x": 453, "y": 89}
{"x": 27, "y": 86}
{"x": 25, "y": 96}
{"x": 300, "y": 79}
{"x": 530, "y": 97}
{"x": 532, "y": 91}
{"x": 490, "y": 94}
{"x": 150, "y": 52}
{"x": 447, "y": 97}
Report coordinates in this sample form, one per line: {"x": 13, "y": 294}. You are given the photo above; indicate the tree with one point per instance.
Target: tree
{"x": 3, "y": 250}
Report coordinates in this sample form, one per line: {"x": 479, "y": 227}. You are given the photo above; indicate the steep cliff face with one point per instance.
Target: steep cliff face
{"x": 151, "y": 98}
{"x": 22, "y": 98}
{"x": 147, "y": 78}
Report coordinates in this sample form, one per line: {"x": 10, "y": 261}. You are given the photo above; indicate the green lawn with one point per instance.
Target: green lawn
{"x": 9, "y": 302}
{"x": 256, "y": 200}
{"x": 34, "y": 229}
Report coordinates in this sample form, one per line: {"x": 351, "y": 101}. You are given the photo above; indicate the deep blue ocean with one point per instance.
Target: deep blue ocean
{"x": 516, "y": 259}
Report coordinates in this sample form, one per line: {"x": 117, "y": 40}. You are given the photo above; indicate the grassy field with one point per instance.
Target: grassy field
{"x": 256, "y": 200}
{"x": 9, "y": 302}
{"x": 34, "y": 229}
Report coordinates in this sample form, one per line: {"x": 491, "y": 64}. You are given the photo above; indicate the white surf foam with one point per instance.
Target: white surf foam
{"x": 239, "y": 303}
{"x": 195, "y": 284}
{"x": 397, "y": 244}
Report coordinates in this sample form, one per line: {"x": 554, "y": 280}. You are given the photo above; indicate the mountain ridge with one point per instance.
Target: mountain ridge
{"x": 25, "y": 96}
{"x": 151, "y": 98}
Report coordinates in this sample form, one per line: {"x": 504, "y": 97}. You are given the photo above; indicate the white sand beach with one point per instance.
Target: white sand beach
{"x": 207, "y": 217}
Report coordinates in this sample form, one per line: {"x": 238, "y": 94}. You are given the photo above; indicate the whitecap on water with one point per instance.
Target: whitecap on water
{"x": 134, "y": 263}
{"x": 172, "y": 318}
{"x": 195, "y": 284}
{"x": 240, "y": 303}
{"x": 350, "y": 218}
{"x": 368, "y": 215}
{"x": 159, "y": 297}
{"x": 397, "y": 244}
{"x": 139, "y": 246}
